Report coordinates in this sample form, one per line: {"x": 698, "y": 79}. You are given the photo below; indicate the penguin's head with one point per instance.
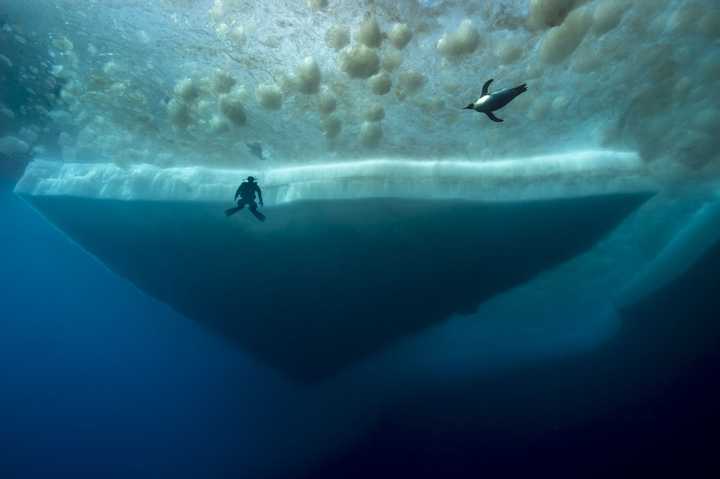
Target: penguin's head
{"x": 471, "y": 106}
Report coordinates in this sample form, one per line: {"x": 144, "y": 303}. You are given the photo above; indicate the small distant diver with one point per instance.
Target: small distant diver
{"x": 247, "y": 191}
{"x": 490, "y": 102}
{"x": 256, "y": 149}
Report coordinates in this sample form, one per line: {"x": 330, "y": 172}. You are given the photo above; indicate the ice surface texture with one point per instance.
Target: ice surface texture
{"x": 579, "y": 173}
{"x": 140, "y": 79}
{"x": 691, "y": 243}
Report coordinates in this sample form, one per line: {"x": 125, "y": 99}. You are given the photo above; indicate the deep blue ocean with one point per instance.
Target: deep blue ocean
{"x": 99, "y": 380}
{"x": 492, "y": 246}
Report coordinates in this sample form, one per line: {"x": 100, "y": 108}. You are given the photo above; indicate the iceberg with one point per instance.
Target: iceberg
{"x": 354, "y": 255}
{"x": 691, "y": 243}
{"x": 581, "y": 173}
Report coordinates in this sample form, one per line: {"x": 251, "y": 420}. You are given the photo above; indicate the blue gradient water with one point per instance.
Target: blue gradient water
{"x": 98, "y": 379}
{"x": 434, "y": 295}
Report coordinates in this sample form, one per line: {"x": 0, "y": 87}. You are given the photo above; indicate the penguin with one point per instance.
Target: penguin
{"x": 490, "y": 102}
{"x": 256, "y": 149}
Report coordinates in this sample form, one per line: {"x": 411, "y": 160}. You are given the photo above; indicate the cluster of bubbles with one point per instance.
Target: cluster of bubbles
{"x": 27, "y": 93}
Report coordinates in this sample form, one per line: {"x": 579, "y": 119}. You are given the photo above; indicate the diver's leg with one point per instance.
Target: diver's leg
{"x": 232, "y": 211}
{"x": 255, "y": 212}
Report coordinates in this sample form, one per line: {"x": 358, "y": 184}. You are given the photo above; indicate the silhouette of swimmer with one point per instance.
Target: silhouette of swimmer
{"x": 246, "y": 191}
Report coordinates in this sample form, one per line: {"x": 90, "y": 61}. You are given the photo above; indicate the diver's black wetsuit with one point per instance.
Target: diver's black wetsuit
{"x": 247, "y": 191}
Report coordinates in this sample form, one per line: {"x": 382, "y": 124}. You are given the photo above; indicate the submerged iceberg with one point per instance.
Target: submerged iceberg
{"x": 380, "y": 188}
{"x": 355, "y": 255}
{"x": 575, "y": 174}
{"x": 332, "y": 276}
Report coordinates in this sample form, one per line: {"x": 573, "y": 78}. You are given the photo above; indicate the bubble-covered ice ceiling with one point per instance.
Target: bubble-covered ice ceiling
{"x": 183, "y": 82}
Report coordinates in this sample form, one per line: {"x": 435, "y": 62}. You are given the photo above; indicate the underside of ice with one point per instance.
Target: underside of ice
{"x": 579, "y": 173}
{"x": 192, "y": 82}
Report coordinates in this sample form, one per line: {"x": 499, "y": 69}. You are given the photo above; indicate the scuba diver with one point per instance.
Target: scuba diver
{"x": 246, "y": 191}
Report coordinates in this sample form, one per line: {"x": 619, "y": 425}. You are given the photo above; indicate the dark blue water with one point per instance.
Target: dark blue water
{"x": 99, "y": 380}
{"x": 645, "y": 404}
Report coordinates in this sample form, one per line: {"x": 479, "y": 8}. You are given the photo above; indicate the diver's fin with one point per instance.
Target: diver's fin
{"x": 493, "y": 117}
{"x": 232, "y": 211}
{"x": 486, "y": 87}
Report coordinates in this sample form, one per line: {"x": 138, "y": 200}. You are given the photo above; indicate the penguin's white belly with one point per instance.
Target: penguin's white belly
{"x": 481, "y": 101}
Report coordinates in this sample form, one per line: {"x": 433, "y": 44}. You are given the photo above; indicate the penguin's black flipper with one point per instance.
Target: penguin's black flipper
{"x": 493, "y": 117}
{"x": 486, "y": 87}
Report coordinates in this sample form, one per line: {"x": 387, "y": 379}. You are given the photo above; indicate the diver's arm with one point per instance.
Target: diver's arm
{"x": 237, "y": 192}
{"x": 259, "y": 192}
